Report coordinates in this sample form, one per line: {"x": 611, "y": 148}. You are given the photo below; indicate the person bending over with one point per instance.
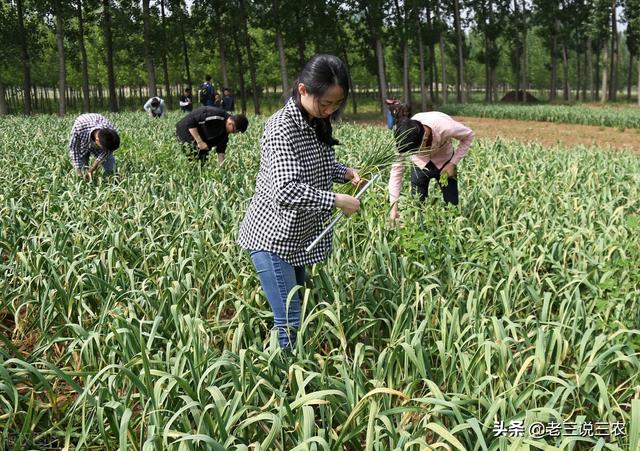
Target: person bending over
{"x": 428, "y": 136}
{"x": 207, "y": 127}
{"x": 154, "y": 107}
{"x": 93, "y": 134}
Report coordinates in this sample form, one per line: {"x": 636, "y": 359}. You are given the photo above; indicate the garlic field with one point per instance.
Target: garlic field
{"x": 130, "y": 319}
{"x": 621, "y": 117}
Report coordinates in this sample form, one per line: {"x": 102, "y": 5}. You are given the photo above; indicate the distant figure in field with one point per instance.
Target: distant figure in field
{"x": 227, "y": 100}
{"x": 217, "y": 102}
{"x": 154, "y": 107}
{"x": 207, "y": 93}
{"x": 401, "y": 111}
{"x": 390, "y": 103}
{"x": 93, "y": 134}
{"x": 396, "y": 111}
{"x": 186, "y": 101}
{"x": 207, "y": 127}
{"x": 429, "y": 135}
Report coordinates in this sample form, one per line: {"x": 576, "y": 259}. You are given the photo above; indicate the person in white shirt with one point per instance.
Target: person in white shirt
{"x": 154, "y": 107}
{"x": 186, "y": 101}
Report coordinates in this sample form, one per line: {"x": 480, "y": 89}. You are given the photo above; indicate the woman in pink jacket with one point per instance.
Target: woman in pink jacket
{"x": 429, "y": 136}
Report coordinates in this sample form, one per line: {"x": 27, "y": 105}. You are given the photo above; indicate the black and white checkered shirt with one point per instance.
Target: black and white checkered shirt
{"x": 80, "y": 144}
{"x": 293, "y": 199}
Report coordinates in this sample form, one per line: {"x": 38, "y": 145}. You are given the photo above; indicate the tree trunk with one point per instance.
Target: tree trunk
{"x": 585, "y": 79}
{"x": 590, "y": 79}
{"x": 165, "y": 65}
{"x": 284, "y": 73}
{"x": 565, "y": 72}
{"x": 613, "y": 87}
{"x": 423, "y": 91}
{"x": 405, "y": 72}
{"x": 605, "y": 81}
{"x": 402, "y": 21}
{"x": 494, "y": 84}
{"x": 220, "y": 32}
{"x": 525, "y": 62}
{"x": 85, "y": 65}
{"x": 252, "y": 66}
{"x": 223, "y": 64}
{"x": 26, "y": 65}
{"x": 578, "y": 76}
{"x": 487, "y": 90}
{"x": 596, "y": 73}
{"x": 443, "y": 65}
{"x": 382, "y": 79}
{"x": 243, "y": 91}
{"x": 517, "y": 58}
{"x": 62, "y": 76}
{"x": 148, "y": 57}
{"x": 433, "y": 74}
{"x": 460, "y": 67}
{"x": 443, "y": 68}
{"x": 302, "y": 59}
{"x": 554, "y": 66}
{"x": 345, "y": 55}
{"x": 517, "y": 77}
{"x": 223, "y": 60}
{"x": 629, "y": 77}
{"x": 4, "y": 108}
{"x": 352, "y": 88}
{"x": 432, "y": 62}
{"x": 185, "y": 50}
{"x": 11, "y": 97}
{"x": 638, "y": 91}
{"x": 113, "y": 95}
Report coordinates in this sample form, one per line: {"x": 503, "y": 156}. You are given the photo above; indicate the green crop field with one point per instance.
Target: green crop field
{"x": 620, "y": 117}
{"x": 129, "y": 318}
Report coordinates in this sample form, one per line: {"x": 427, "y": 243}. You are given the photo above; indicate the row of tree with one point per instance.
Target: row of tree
{"x": 423, "y": 45}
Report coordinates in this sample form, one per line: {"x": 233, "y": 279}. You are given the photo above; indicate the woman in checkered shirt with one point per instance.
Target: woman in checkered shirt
{"x": 294, "y": 198}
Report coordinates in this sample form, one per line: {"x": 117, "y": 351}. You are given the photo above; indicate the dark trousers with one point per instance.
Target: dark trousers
{"x": 420, "y": 179}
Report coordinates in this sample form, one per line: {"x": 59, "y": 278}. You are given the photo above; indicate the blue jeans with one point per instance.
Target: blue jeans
{"x": 390, "y": 119}
{"x": 108, "y": 165}
{"x": 278, "y": 278}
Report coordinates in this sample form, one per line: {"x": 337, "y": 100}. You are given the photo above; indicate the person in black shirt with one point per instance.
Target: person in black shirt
{"x": 207, "y": 127}
{"x": 186, "y": 101}
{"x": 227, "y": 100}
{"x": 207, "y": 92}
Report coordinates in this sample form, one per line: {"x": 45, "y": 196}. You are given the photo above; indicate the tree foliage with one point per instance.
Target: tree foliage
{"x": 214, "y": 42}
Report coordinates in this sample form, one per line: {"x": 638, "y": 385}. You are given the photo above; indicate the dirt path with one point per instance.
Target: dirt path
{"x": 549, "y": 133}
